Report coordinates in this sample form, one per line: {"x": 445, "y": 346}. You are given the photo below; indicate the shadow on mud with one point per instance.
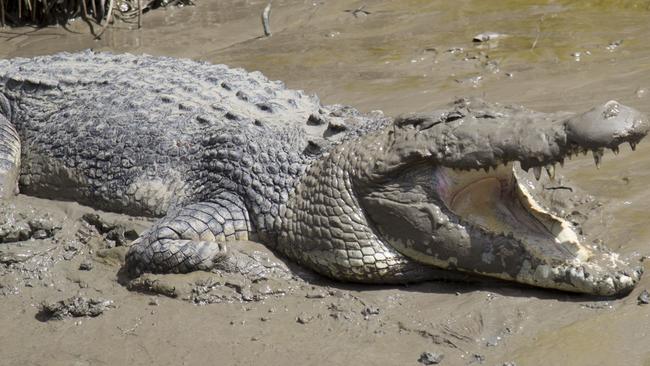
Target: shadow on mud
{"x": 239, "y": 288}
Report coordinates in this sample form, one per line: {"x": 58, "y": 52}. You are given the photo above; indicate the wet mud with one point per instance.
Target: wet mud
{"x": 399, "y": 57}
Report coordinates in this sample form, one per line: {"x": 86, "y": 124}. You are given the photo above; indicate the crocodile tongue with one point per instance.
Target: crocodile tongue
{"x": 498, "y": 202}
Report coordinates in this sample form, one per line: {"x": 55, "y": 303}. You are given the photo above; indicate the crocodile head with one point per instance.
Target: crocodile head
{"x": 448, "y": 189}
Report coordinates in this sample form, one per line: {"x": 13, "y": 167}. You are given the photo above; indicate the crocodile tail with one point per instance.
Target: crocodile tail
{"x": 9, "y": 151}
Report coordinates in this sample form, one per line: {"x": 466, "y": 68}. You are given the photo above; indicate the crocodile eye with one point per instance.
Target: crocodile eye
{"x": 419, "y": 121}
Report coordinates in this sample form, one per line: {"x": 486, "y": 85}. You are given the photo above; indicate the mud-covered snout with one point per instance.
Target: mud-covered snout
{"x": 607, "y": 126}
{"x": 444, "y": 189}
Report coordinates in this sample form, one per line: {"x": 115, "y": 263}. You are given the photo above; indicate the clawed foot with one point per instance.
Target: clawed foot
{"x": 238, "y": 271}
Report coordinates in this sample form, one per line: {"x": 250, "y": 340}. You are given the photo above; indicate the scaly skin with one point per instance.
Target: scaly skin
{"x": 361, "y": 211}
{"x": 224, "y": 154}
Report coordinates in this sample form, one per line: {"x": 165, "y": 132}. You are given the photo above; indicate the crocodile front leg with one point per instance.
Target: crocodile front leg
{"x": 191, "y": 238}
{"x": 9, "y": 152}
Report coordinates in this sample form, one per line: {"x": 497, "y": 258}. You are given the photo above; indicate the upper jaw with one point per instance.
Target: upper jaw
{"x": 607, "y": 126}
{"x": 474, "y": 134}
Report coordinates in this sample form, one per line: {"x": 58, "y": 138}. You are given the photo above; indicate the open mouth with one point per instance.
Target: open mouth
{"x": 498, "y": 201}
{"x": 451, "y": 192}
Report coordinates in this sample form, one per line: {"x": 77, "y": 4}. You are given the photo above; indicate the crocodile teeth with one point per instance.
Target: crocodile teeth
{"x": 598, "y": 157}
{"x": 562, "y": 162}
{"x": 538, "y": 172}
{"x": 615, "y": 150}
{"x": 633, "y": 145}
{"x": 550, "y": 170}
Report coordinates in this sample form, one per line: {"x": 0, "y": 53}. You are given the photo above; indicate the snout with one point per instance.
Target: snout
{"x": 607, "y": 125}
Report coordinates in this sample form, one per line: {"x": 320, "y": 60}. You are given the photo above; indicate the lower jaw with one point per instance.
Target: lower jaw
{"x": 512, "y": 237}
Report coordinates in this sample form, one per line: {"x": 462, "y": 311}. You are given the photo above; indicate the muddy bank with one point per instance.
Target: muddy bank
{"x": 399, "y": 57}
{"x": 203, "y": 317}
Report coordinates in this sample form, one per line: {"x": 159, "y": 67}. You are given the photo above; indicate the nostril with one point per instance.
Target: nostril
{"x": 612, "y": 109}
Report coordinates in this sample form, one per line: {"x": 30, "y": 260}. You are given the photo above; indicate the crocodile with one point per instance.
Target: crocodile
{"x": 221, "y": 155}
